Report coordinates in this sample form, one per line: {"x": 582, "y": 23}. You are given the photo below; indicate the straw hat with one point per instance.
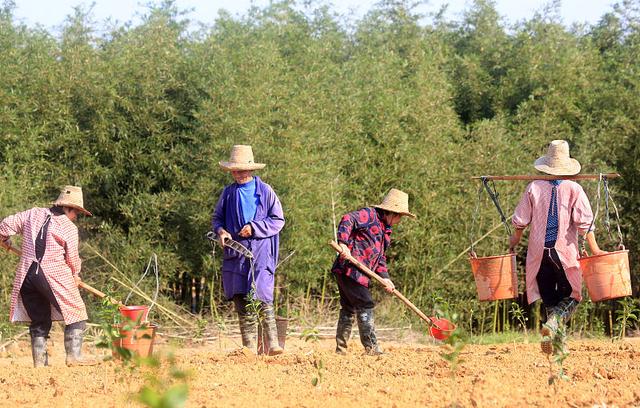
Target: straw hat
{"x": 241, "y": 159}
{"x": 396, "y": 201}
{"x": 71, "y": 196}
{"x": 557, "y": 161}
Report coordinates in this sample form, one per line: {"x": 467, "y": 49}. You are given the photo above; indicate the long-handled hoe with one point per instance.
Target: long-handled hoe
{"x": 439, "y": 328}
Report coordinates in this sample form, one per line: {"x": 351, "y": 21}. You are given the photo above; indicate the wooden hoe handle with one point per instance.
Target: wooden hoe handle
{"x": 376, "y": 277}
{"x": 9, "y": 248}
{"x": 99, "y": 294}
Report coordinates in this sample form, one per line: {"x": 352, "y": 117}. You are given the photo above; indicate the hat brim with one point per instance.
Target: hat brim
{"x": 77, "y": 207}
{"x": 571, "y": 168}
{"x": 230, "y": 166}
{"x": 408, "y": 214}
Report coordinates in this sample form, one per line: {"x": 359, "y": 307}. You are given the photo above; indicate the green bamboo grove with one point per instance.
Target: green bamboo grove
{"x": 341, "y": 109}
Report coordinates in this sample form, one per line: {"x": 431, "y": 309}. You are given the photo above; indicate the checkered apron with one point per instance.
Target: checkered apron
{"x": 61, "y": 262}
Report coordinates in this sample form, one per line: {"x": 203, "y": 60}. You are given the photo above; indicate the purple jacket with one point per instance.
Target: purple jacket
{"x": 264, "y": 243}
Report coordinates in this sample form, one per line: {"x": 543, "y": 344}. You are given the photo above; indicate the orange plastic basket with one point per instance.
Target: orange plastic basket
{"x": 139, "y": 340}
{"x": 607, "y": 276}
{"x": 495, "y": 276}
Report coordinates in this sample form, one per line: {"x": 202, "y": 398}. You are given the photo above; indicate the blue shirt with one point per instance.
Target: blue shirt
{"x": 248, "y": 199}
{"x": 552, "y": 217}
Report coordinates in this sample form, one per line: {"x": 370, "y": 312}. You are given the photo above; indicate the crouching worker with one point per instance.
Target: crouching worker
{"x": 558, "y": 212}
{"x": 365, "y": 234}
{"x": 249, "y": 212}
{"x": 45, "y": 288}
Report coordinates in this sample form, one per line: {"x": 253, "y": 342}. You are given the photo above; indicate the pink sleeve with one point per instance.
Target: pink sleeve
{"x": 13, "y": 224}
{"x": 71, "y": 255}
{"x": 582, "y": 216}
{"x": 524, "y": 211}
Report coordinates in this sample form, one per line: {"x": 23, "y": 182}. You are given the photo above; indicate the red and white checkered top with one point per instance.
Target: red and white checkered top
{"x": 574, "y": 214}
{"x": 61, "y": 262}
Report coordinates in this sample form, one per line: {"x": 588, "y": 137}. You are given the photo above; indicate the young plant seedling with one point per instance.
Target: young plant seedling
{"x": 313, "y": 335}
{"x": 518, "y": 314}
{"x": 319, "y": 365}
{"x": 629, "y": 311}
{"x": 560, "y": 353}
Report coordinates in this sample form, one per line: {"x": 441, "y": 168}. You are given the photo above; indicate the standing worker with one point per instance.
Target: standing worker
{"x": 249, "y": 212}
{"x": 558, "y": 212}
{"x": 45, "y": 288}
{"x": 365, "y": 234}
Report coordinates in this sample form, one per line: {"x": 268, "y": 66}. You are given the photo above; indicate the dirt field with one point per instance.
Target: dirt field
{"x": 601, "y": 374}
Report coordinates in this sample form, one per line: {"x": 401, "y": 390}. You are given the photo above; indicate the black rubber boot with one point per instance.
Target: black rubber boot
{"x": 368, "y": 332}
{"x": 39, "y": 351}
{"x": 268, "y": 321}
{"x": 343, "y": 331}
{"x": 73, "y": 348}
{"x": 247, "y": 322}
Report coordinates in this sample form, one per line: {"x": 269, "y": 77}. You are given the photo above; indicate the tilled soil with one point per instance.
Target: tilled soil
{"x": 601, "y": 373}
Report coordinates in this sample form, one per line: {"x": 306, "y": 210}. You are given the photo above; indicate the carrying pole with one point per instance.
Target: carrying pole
{"x": 531, "y": 177}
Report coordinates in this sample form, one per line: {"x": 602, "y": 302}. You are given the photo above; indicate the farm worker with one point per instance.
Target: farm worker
{"x": 365, "y": 234}
{"x": 45, "y": 288}
{"x": 558, "y": 212}
{"x": 249, "y": 211}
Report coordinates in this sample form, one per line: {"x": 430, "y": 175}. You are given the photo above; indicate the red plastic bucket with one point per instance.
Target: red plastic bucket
{"x": 441, "y": 328}
{"x": 495, "y": 276}
{"x": 607, "y": 276}
{"x": 135, "y": 313}
{"x": 138, "y": 340}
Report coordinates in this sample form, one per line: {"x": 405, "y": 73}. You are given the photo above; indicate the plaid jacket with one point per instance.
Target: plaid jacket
{"x": 367, "y": 237}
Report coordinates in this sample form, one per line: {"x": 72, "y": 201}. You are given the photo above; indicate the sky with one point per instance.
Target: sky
{"x": 51, "y": 13}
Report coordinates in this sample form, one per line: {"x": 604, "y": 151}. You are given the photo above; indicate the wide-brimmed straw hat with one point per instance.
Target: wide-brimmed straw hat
{"x": 71, "y": 196}
{"x": 396, "y": 201}
{"x": 557, "y": 161}
{"x": 241, "y": 159}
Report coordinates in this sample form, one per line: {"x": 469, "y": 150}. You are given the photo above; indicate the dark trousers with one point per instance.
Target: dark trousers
{"x": 353, "y": 296}
{"x": 38, "y": 298}
{"x": 552, "y": 280}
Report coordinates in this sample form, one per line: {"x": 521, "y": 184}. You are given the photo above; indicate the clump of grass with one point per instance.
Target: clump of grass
{"x": 310, "y": 335}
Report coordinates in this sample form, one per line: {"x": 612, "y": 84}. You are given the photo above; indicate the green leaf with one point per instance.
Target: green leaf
{"x": 176, "y": 396}
{"x": 149, "y": 397}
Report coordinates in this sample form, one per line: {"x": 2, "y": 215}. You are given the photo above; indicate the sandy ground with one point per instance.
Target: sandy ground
{"x": 410, "y": 374}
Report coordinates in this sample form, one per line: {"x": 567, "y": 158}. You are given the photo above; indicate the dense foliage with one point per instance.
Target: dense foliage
{"x": 340, "y": 109}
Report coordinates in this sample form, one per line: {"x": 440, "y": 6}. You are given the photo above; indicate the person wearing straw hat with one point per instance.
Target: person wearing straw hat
{"x": 558, "y": 213}
{"x": 45, "y": 287}
{"x": 366, "y": 235}
{"x": 249, "y": 211}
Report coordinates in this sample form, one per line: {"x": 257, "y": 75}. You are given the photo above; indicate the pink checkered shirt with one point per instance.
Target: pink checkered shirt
{"x": 574, "y": 214}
